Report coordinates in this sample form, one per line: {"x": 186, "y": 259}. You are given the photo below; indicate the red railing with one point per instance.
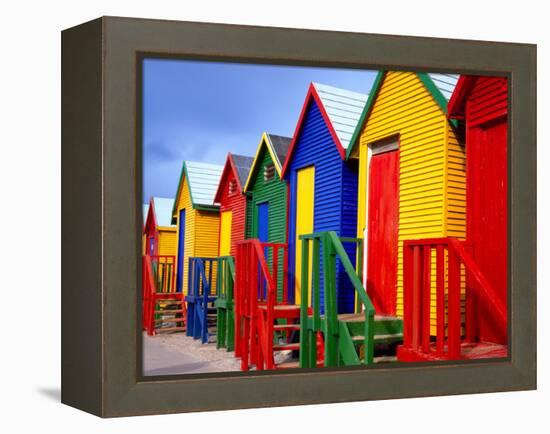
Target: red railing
{"x": 452, "y": 257}
{"x": 256, "y": 286}
{"x": 158, "y": 282}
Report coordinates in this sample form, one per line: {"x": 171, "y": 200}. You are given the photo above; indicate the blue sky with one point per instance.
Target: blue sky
{"x": 197, "y": 110}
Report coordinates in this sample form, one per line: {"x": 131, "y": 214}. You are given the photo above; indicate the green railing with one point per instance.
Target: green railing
{"x": 338, "y": 346}
{"x": 225, "y": 316}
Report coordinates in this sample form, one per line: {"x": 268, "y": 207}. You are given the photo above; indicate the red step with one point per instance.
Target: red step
{"x": 286, "y": 327}
{"x": 286, "y": 347}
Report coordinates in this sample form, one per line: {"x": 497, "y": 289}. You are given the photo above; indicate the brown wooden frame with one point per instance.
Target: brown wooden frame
{"x": 101, "y": 216}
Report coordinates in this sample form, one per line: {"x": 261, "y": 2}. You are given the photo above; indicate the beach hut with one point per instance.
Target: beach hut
{"x": 229, "y": 195}
{"x": 411, "y": 177}
{"x": 322, "y": 184}
{"x": 159, "y": 232}
{"x": 195, "y": 216}
{"x": 482, "y": 104}
{"x": 267, "y": 193}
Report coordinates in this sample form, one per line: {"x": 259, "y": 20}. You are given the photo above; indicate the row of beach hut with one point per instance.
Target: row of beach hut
{"x": 422, "y": 156}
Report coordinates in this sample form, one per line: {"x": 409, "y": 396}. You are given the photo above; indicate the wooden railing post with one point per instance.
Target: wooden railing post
{"x": 315, "y": 300}
{"x": 440, "y": 298}
{"x": 416, "y": 298}
{"x": 426, "y": 296}
{"x": 408, "y": 279}
{"x": 454, "y": 306}
{"x": 305, "y": 340}
{"x": 331, "y": 336}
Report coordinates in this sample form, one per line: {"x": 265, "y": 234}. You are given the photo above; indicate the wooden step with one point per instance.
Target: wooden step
{"x": 378, "y": 339}
{"x": 168, "y": 295}
{"x": 281, "y": 307}
{"x": 169, "y": 311}
{"x": 288, "y": 365}
{"x": 384, "y": 359}
{"x": 286, "y": 327}
{"x": 170, "y": 329}
{"x": 285, "y": 347}
{"x": 169, "y": 320}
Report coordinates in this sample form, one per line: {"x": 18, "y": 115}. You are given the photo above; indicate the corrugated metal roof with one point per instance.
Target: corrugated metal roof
{"x": 145, "y": 209}
{"x": 163, "y": 210}
{"x": 280, "y": 146}
{"x": 446, "y": 83}
{"x": 243, "y": 165}
{"x": 203, "y": 181}
{"x": 343, "y": 108}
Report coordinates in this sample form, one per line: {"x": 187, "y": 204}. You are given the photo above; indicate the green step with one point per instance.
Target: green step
{"x": 379, "y": 338}
{"x": 383, "y": 325}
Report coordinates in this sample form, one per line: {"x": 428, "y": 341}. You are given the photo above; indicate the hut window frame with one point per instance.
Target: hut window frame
{"x": 269, "y": 172}
{"x": 387, "y": 144}
{"x": 232, "y": 187}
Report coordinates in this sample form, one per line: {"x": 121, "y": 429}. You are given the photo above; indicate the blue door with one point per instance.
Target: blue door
{"x": 263, "y": 235}
{"x": 181, "y": 250}
{"x": 263, "y": 222}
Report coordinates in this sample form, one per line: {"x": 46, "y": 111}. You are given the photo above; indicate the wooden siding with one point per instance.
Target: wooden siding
{"x": 201, "y": 230}
{"x": 236, "y": 203}
{"x": 487, "y": 100}
{"x": 487, "y": 222}
{"x": 183, "y": 201}
{"x": 167, "y": 240}
{"x": 335, "y": 182}
{"x": 274, "y": 192}
{"x": 432, "y": 165}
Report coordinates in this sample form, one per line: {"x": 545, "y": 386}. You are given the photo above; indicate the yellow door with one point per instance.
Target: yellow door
{"x": 225, "y": 233}
{"x": 305, "y": 193}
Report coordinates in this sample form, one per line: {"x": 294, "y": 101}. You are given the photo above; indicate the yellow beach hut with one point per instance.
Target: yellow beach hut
{"x": 411, "y": 177}
{"x": 196, "y": 216}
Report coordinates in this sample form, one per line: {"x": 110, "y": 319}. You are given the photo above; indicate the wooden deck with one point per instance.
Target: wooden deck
{"x": 468, "y": 351}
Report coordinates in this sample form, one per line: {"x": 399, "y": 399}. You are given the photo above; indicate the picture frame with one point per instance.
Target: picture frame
{"x": 101, "y": 216}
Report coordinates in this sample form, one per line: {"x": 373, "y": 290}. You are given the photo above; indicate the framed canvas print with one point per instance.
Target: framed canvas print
{"x": 263, "y": 217}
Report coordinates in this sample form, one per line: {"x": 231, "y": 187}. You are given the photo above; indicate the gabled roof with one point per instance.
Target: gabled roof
{"x": 145, "y": 210}
{"x": 458, "y": 99}
{"x": 280, "y": 146}
{"x": 243, "y": 165}
{"x": 163, "y": 210}
{"x": 341, "y": 109}
{"x": 440, "y": 86}
{"x": 158, "y": 212}
{"x": 277, "y": 146}
{"x": 240, "y": 166}
{"x": 202, "y": 179}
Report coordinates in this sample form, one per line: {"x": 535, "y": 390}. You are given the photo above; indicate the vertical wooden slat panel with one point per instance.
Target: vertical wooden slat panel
{"x": 416, "y": 297}
{"x": 426, "y": 296}
{"x": 440, "y": 298}
{"x": 454, "y": 306}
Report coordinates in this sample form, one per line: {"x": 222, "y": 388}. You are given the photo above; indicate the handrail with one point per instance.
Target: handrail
{"x": 350, "y": 270}
{"x": 256, "y": 285}
{"x": 450, "y": 253}
{"x": 149, "y": 290}
{"x": 164, "y": 272}
{"x": 332, "y": 247}
{"x": 487, "y": 290}
{"x": 201, "y": 272}
{"x": 157, "y": 284}
{"x": 223, "y": 288}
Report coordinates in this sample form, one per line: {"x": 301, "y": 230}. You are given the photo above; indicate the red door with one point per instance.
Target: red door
{"x": 383, "y": 219}
{"x": 487, "y": 215}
